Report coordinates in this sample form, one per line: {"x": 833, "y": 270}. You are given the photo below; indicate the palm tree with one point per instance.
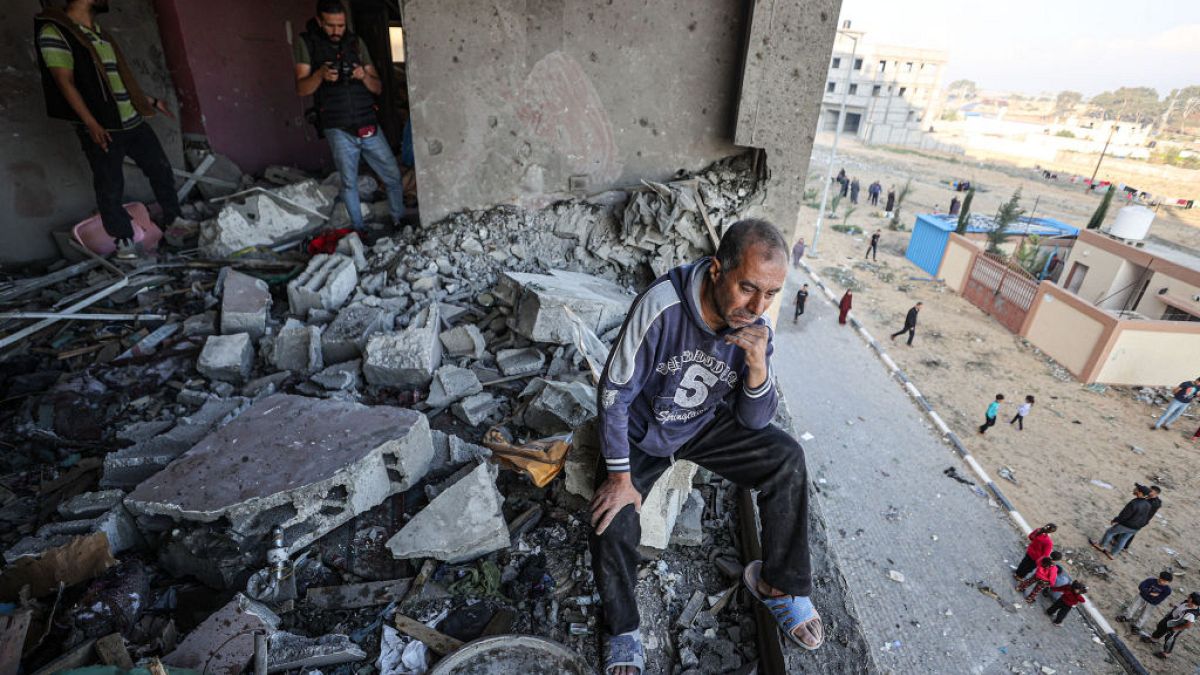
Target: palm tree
{"x": 895, "y": 224}
{"x": 1008, "y": 214}
{"x": 1101, "y": 210}
{"x": 964, "y": 215}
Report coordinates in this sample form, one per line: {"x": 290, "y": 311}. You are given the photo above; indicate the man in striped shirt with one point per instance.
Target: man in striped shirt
{"x": 87, "y": 81}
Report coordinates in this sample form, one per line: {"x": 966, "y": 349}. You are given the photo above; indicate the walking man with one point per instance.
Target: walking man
{"x": 1151, "y": 593}
{"x": 1182, "y": 398}
{"x": 87, "y": 81}
{"x": 910, "y": 324}
{"x": 334, "y": 67}
{"x": 990, "y": 416}
{"x": 1132, "y": 518}
{"x": 873, "y": 246}
{"x": 1152, "y": 497}
{"x": 801, "y": 298}
{"x": 854, "y": 190}
{"x": 797, "y": 252}
{"x": 1180, "y": 618}
{"x": 690, "y": 378}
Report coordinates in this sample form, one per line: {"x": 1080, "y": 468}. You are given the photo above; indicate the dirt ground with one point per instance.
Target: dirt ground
{"x": 962, "y": 357}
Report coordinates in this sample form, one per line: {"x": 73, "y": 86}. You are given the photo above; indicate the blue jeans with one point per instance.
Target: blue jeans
{"x": 1174, "y": 410}
{"x": 1119, "y": 536}
{"x": 348, "y": 149}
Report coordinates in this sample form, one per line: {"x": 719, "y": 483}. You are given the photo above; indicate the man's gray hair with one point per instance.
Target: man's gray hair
{"x": 745, "y": 234}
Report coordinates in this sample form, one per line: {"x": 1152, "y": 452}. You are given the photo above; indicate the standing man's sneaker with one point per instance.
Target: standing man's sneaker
{"x": 126, "y": 250}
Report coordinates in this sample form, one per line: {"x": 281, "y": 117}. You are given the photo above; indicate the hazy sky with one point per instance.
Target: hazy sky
{"x": 1048, "y": 45}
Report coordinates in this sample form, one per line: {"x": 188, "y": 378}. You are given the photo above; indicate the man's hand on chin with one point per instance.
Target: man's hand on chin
{"x": 614, "y": 494}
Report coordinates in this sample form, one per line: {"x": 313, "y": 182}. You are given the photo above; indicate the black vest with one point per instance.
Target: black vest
{"x": 346, "y": 104}
{"x": 89, "y": 80}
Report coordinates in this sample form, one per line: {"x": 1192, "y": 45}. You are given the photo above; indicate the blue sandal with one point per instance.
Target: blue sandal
{"x": 624, "y": 650}
{"x": 791, "y": 612}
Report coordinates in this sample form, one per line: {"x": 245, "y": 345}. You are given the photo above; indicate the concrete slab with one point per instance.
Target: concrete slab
{"x": 408, "y": 358}
{"x": 223, "y": 644}
{"x": 541, "y": 302}
{"x": 460, "y": 524}
{"x": 305, "y": 464}
{"x": 324, "y": 284}
{"x": 260, "y": 220}
{"x": 245, "y": 305}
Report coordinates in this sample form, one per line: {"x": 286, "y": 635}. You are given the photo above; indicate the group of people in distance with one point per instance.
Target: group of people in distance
{"x": 993, "y": 411}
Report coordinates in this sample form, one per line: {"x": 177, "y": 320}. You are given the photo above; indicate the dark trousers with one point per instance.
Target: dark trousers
{"x": 872, "y": 252}
{"x": 874, "y": 200}
{"x": 1162, "y": 630}
{"x": 767, "y": 459}
{"x": 1059, "y": 610}
{"x": 1026, "y": 566}
{"x": 988, "y": 423}
{"x": 911, "y": 330}
{"x": 1019, "y": 420}
{"x": 108, "y": 175}
{"x": 799, "y": 310}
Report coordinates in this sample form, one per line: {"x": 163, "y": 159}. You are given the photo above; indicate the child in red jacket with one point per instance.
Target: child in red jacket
{"x": 1071, "y": 595}
{"x": 1039, "y": 547}
{"x": 1044, "y": 577}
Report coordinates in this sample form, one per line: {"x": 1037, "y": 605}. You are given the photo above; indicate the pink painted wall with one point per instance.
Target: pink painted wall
{"x": 232, "y": 64}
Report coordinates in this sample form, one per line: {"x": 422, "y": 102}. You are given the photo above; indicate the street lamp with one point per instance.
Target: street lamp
{"x": 837, "y": 132}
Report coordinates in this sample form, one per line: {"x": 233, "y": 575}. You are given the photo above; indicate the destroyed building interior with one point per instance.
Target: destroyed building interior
{"x": 273, "y": 444}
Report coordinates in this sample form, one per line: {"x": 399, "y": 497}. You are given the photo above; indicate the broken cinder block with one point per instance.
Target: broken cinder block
{"x": 541, "y": 302}
{"x": 520, "y": 361}
{"x": 560, "y": 406}
{"x": 324, "y": 284}
{"x": 451, "y": 383}
{"x": 460, "y": 524}
{"x": 245, "y": 305}
{"x": 226, "y": 358}
{"x": 346, "y": 338}
{"x": 465, "y": 340}
{"x": 298, "y": 348}
{"x": 408, "y": 358}
{"x": 474, "y": 410}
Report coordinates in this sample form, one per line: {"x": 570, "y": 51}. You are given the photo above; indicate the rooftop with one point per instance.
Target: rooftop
{"x": 978, "y": 223}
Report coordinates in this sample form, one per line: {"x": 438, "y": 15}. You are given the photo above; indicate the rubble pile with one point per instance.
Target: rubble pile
{"x": 353, "y": 454}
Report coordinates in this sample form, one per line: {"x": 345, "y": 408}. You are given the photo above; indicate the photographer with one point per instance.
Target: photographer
{"x": 343, "y": 86}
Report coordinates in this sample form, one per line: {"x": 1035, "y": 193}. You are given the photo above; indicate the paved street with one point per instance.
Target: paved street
{"x": 878, "y": 465}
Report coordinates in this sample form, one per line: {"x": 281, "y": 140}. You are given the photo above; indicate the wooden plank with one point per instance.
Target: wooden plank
{"x": 12, "y": 640}
{"x": 770, "y": 648}
{"x": 438, "y": 642}
{"x": 356, "y": 596}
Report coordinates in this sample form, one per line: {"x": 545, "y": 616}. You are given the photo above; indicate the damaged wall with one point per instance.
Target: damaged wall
{"x": 512, "y": 98}
{"x": 234, "y": 69}
{"x": 45, "y": 183}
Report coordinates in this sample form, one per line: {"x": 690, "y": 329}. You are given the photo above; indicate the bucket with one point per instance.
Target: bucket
{"x": 504, "y": 654}
{"x": 90, "y": 233}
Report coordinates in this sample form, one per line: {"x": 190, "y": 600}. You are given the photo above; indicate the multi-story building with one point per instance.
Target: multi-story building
{"x": 891, "y": 93}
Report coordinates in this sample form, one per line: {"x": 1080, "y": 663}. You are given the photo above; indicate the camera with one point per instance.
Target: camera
{"x": 344, "y": 67}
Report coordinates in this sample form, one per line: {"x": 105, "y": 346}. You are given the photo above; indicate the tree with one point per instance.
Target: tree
{"x": 850, "y": 208}
{"x": 1027, "y": 254}
{"x": 964, "y": 89}
{"x": 964, "y": 214}
{"x": 1101, "y": 210}
{"x": 895, "y": 224}
{"x": 1131, "y": 104}
{"x": 1066, "y": 101}
{"x": 1008, "y": 214}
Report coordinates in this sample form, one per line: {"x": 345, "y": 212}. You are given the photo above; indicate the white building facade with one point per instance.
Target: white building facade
{"x": 893, "y": 94}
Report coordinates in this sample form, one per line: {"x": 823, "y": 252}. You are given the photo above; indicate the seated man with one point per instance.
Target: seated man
{"x": 690, "y": 378}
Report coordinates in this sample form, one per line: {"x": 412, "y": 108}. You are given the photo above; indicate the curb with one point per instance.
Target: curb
{"x": 1113, "y": 641}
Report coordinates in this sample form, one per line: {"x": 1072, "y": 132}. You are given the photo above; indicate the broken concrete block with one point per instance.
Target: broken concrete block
{"x": 460, "y": 524}
{"x": 129, "y": 466}
{"x": 451, "y": 383}
{"x": 580, "y": 468}
{"x": 474, "y": 410}
{"x": 117, "y": 524}
{"x": 661, "y": 507}
{"x": 408, "y": 358}
{"x": 464, "y": 340}
{"x": 450, "y": 451}
{"x": 288, "y": 651}
{"x": 200, "y": 325}
{"x": 261, "y": 220}
{"x": 520, "y": 361}
{"x": 561, "y": 406}
{"x": 90, "y": 504}
{"x": 324, "y": 284}
{"x": 346, "y": 338}
{"x": 689, "y": 526}
{"x": 541, "y": 302}
{"x": 227, "y": 358}
{"x": 351, "y": 246}
{"x": 223, "y": 644}
{"x": 245, "y": 305}
{"x": 298, "y": 348}
{"x": 340, "y": 377}
{"x": 305, "y": 464}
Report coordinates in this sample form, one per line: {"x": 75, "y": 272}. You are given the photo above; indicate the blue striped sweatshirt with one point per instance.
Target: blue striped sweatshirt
{"x": 668, "y": 373}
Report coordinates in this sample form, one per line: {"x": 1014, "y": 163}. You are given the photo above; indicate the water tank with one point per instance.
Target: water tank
{"x": 1133, "y": 222}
